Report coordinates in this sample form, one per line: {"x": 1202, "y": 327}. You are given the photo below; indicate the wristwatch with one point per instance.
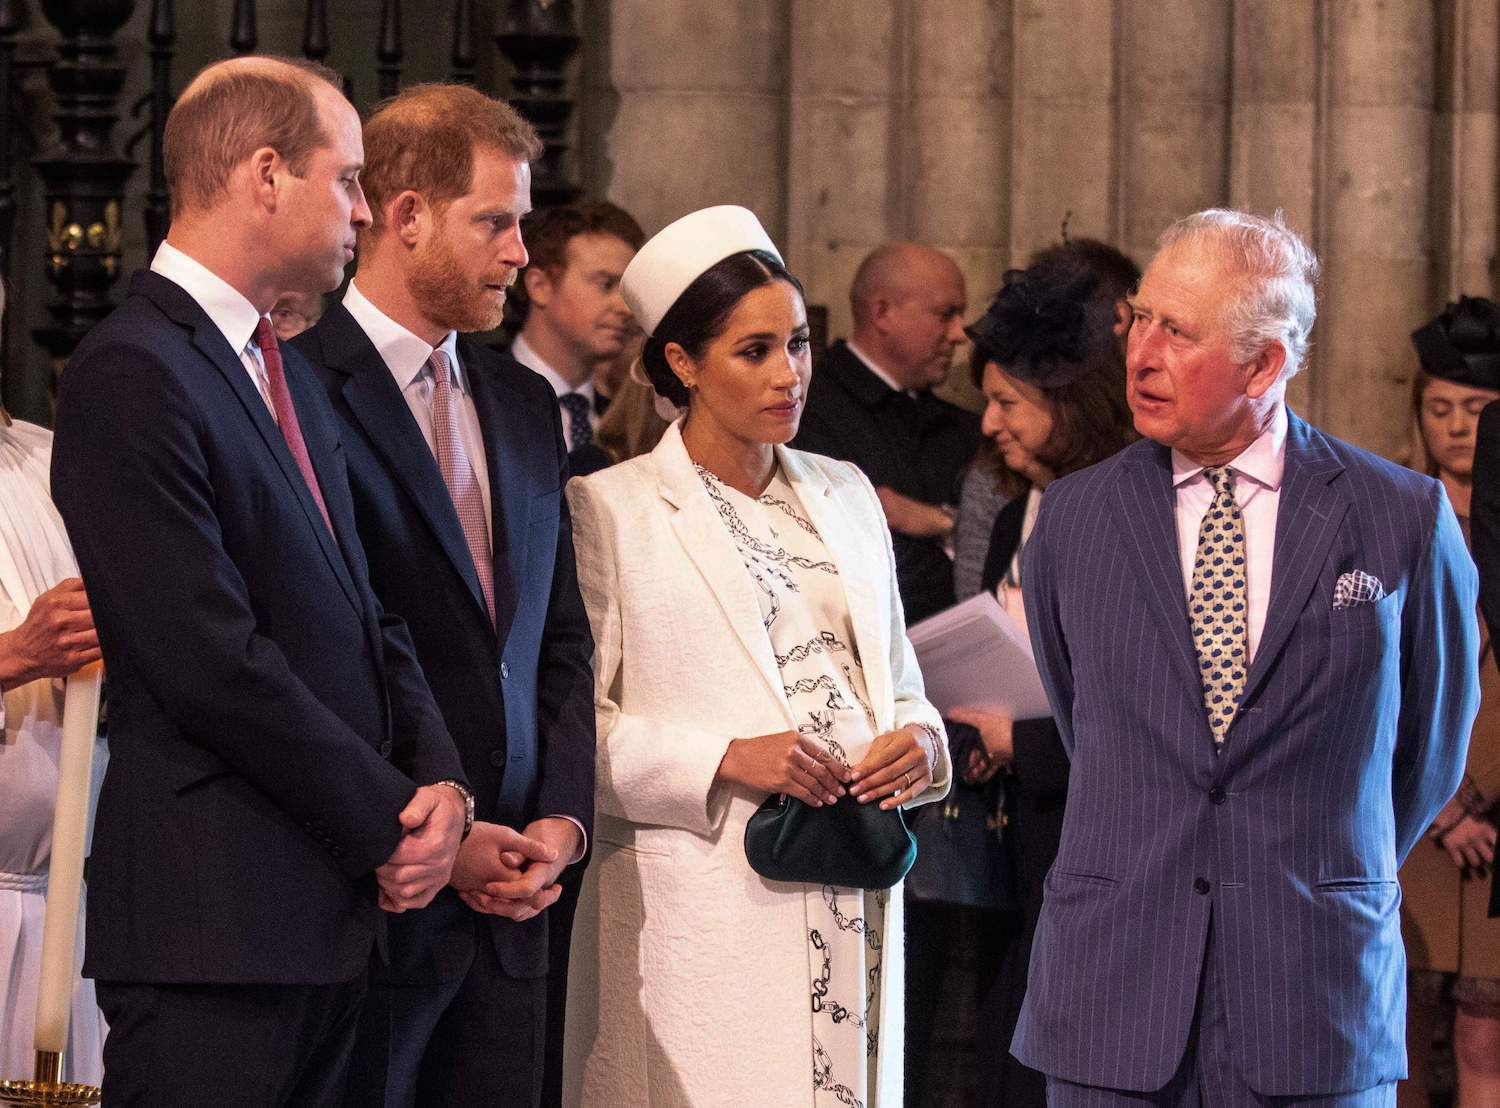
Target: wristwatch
{"x": 463, "y": 791}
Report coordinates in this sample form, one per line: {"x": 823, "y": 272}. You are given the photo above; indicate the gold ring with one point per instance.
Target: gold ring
{"x": 906, "y": 782}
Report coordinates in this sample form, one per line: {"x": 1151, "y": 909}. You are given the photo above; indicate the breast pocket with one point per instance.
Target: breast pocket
{"x": 1365, "y": 619}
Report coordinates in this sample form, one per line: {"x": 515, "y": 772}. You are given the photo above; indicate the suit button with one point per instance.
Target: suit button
{"x": 1217, "y": 795}
{"x": 497, "y": 758}
{"x": 1201, "y": 886}
{"x": 504, "y": 671}
{"x": 386, "y": 748}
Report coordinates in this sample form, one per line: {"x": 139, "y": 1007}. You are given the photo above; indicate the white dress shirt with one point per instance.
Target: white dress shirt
{"x": 406, "y": 357}
{"x": 225, "y": 306}
{"x": 1257, "y": 489}
{"x": 523, "y": 352}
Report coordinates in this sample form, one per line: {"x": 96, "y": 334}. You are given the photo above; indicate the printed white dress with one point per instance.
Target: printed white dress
{"x": 806, "y": 616}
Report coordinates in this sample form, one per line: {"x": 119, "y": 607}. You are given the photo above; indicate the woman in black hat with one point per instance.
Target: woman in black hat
{"x": 1052, "y": 372}
{"x": 1452, "y": 947}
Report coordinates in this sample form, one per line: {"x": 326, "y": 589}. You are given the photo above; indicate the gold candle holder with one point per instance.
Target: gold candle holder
{"x": 47, "y": 1088}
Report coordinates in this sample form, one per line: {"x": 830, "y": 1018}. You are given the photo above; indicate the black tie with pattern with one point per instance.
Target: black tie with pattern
{"x": 1217, "y": 606}
{"x": 577, "y": 406}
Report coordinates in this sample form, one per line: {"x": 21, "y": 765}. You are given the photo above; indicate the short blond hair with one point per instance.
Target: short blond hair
{"x": 232, "y": 109}
{"x": 423, "y": 139}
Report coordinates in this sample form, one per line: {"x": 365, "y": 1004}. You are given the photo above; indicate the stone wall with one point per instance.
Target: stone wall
{"x": 978, "y": 125}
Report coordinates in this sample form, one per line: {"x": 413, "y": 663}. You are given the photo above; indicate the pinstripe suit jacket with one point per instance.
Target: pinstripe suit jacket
{"x": 1350, "y": 737}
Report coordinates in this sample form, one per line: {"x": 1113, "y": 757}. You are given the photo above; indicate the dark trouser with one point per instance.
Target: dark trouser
{"x": 559, "y": 940}
{"x": 260, "y": 1046}
{"x": 475, "y": 1040}
{"x": 932, "y": 933}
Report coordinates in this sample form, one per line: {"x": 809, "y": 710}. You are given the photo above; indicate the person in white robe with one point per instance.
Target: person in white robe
{"x": 46, "y": 632}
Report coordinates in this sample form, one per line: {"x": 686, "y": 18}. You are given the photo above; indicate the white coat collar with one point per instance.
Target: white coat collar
{"x": 709, "y": 545}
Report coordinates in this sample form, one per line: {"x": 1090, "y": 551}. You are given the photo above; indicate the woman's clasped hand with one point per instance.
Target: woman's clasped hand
{"x": 896, "y": 768}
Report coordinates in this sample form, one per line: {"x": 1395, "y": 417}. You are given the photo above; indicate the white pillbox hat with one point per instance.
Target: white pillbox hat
{"x": 683, "y": 251}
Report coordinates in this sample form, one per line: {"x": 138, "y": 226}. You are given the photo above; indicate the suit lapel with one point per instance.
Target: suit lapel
{"x": 707, "y": 543}
{"x": 1308, "y": 515}
{"x": 209, "y": 342}
{"x": 510, "y": 502}
{"x": 1145, "y": 508}
{"x": 379, "y": 408}
{"x": 852, "y": 557}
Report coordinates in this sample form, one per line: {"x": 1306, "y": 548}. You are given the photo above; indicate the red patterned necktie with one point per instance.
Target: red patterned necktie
{"x": 286, "y": 415}
{"x": 458, "y": 475}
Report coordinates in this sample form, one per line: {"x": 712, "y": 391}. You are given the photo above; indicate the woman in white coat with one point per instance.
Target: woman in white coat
{"x": 748, "y": 642}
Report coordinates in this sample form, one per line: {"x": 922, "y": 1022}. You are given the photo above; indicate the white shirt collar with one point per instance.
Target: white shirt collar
{"x": 404, "y": 354}
{"x": 233, "y": 315}
{"x": 875, "y": 369}
{"x": 1263, "y": 461}
{"x": 523, "y": 352}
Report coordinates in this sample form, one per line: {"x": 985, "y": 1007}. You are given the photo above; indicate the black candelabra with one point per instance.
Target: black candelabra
{"x": 83, "y": 176}
{"x": 539, "y": 39}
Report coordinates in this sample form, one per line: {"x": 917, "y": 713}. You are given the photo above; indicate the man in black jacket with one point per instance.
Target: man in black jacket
{"x": 457, "y": 465}
{"x": 871, "y": 403}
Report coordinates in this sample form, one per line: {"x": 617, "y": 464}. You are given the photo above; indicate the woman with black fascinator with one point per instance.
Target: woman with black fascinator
{"x": 1052, "y": 372}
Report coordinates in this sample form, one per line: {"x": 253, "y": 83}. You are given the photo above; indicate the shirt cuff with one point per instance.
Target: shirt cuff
{"x": 583, "y": 839}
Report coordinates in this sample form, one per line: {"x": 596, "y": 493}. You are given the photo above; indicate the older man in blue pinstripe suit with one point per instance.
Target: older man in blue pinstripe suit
{"x": 1259, "y": 644}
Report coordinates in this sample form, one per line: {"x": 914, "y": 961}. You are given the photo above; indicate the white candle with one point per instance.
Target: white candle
{"x": 65, "y": 877}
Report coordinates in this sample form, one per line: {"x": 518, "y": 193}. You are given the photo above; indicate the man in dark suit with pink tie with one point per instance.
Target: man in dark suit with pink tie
{"x": 1259, "y": 648}
{"x": 279, "y": 771}
{"x": 457, "y": 464}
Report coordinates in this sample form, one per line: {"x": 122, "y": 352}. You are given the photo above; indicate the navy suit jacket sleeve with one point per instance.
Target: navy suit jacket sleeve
{"x": 1039, "y": 569}
{"x": 565, "y": 681}
{"x": 132, "y": 482}
{"x": 1439, "y": 696}
{"x": 416, "y": 721}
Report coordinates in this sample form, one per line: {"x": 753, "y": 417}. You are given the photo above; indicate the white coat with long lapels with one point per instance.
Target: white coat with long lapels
{"x": 689, "y": 981}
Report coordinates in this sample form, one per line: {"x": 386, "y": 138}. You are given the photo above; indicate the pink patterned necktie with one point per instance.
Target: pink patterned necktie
{"x": 458, "y": 475}
{"x": 286, "y": 415}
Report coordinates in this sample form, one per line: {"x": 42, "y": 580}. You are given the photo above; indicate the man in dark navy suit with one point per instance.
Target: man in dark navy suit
{"x": 1259, "y": 646}
{"x": 457, "y": 464}
{"x": 278, "y": 762}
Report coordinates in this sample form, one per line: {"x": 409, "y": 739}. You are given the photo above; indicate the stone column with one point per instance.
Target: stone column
{"x": 847, "y": 142}
{"x": 1274, "y": 137}
{"x": 700, "y": 113}
{"x": 1465, "y": 160}
{"x": 1375, "y": 200}
{"x": 1063, "y": 152}
{"x": 958, "y": 168}
{"x": 958, "y": 124}
{"x": 1175, "y": 78}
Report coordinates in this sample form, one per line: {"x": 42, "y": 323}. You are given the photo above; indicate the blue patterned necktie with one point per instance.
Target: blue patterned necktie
{"x": 1217, "y": 607}
{"x": 577, "y": 407}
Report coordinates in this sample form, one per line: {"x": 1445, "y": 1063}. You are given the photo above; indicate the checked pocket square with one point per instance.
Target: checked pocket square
{"x": 1357, "y": 587}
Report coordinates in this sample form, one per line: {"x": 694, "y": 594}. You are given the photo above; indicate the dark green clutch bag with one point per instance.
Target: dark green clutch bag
{"x": 850, "y": 844}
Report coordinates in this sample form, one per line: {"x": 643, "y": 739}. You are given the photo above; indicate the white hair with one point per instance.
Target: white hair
{"x": 1277, "y": 301}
